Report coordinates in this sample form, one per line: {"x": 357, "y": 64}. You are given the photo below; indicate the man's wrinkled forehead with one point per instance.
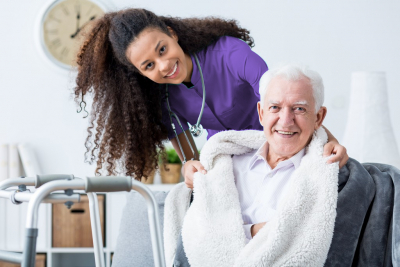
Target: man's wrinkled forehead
{"x": 297, "y": 91}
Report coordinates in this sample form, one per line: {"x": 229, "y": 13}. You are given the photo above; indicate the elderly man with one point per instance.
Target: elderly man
{"x": 265, "y": 185}
{"x": 290, "y": 111}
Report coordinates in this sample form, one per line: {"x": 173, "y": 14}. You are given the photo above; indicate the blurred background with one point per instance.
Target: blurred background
{"x": 334, "y": 38}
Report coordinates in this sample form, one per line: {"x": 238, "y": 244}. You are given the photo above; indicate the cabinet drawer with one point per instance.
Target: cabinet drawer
{"x": 71, "y": 227}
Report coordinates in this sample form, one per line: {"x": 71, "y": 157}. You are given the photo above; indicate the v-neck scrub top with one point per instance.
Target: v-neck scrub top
{"x": 231, "y": 72}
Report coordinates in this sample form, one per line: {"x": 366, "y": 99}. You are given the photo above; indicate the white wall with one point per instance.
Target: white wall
{"x": 333, "y": 37}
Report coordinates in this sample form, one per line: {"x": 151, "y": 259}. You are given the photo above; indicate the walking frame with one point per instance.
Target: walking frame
{"x": 46, "y": 186}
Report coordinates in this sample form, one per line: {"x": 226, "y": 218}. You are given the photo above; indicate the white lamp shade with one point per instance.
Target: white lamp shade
{"x": 369, "y": 135}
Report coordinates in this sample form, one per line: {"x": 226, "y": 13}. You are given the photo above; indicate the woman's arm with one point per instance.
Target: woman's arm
{"x": 191, "y": 166}
{"x": 333, "y": 147}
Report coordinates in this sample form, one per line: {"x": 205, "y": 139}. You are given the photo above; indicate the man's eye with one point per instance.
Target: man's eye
{"x": 274, "y": 108}
{"x": 162, "y": 50}
{"x": 149, "y": 66}
{"x": 300, "y": 109}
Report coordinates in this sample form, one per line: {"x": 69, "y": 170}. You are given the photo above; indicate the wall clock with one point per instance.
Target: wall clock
{"x": 62, "y": 28}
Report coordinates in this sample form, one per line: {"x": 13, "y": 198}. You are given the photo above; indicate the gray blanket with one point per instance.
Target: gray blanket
{"x": 367, "y": 227}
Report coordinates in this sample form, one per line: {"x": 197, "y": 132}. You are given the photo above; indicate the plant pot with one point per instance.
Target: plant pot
{"x": 150, "y": 178}
{"x": 171, "y": 176}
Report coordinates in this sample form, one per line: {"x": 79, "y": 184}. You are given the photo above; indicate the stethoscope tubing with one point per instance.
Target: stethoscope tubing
{"x": 204, "y": 92}
{"x": 195, "y": 128}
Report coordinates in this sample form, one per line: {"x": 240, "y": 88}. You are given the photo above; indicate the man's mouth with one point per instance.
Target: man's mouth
{"x": 173, "y": 71}
{"x": 286, "y": 133}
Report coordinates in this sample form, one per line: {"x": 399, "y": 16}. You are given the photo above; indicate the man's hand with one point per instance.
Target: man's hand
{"x": 339, "y": 153}
{"x": 189, "y": 169}
{"x": 256, "y": 227}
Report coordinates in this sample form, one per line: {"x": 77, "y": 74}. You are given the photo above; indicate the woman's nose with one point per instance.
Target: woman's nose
{"x": 163, "y": 66}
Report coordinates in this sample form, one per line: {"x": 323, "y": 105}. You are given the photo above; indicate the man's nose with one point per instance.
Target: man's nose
{"x": 286, "y": 117}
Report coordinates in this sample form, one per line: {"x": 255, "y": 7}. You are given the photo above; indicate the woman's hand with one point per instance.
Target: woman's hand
{"x": 334, "y": 148}
{"x": 339, "y": 153}
{"x": 188, "y": 170}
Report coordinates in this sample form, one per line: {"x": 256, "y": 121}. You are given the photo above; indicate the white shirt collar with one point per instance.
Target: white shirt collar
{"x": 261, "y": 154}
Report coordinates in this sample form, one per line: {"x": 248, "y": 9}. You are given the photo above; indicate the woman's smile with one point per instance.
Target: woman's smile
{"x": 174, "y": 72}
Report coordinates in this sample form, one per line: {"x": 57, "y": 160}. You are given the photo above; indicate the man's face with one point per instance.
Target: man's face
{"x": 288, "y": 116}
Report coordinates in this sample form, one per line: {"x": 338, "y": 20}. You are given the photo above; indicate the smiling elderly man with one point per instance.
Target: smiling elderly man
{"x": 290, "y": 111}
{"x": 277, "y": 186}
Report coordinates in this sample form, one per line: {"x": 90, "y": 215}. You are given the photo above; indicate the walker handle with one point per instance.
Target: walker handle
{"x": 42, "y": 179}
{"x": 108, "y": 184}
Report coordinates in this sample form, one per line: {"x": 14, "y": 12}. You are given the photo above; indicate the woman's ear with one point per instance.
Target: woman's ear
{"x": 173, "y": 33}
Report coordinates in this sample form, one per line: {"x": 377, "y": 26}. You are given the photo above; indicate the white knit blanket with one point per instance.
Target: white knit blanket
{"x": 212, "y": 228}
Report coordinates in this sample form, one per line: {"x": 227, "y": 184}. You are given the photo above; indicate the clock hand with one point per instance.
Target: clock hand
{"x": 78, "y": 16}
{"x": 79, "y": 29}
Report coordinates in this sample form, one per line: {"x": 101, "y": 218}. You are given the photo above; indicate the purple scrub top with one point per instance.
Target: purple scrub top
{"x": 231, "y": 72}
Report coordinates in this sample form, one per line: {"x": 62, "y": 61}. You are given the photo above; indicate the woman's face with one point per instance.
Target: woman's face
{"x": 159, "y": 57}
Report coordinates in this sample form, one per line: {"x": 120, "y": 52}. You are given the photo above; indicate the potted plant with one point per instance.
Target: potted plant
{"x": 150, "y": 177}
{"x": 170, "y": 169}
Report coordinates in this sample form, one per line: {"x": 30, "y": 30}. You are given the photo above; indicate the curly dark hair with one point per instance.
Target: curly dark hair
{"x": 126, "y": 133}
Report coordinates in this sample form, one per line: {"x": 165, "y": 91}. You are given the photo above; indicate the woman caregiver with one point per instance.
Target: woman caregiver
{"x": 151, "y": 75}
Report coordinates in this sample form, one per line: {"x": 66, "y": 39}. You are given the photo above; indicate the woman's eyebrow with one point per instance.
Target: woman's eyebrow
{"x": 158, "y": 44}
{"x": 144, "y": 62}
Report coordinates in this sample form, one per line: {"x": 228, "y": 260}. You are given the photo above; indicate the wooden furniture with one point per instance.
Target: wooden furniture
{"x": 40, "y": 262}
{"x": 71, "y": 227}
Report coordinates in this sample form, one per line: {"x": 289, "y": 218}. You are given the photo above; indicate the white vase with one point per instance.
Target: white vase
{"x": 369, "y": 134}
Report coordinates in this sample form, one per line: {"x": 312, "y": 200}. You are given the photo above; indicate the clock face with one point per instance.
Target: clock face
{"x": 63, "y": 26}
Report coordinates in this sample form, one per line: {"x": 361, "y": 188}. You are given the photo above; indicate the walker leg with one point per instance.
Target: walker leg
{"x": 96, "y": 229}
{"x": 29, "y": 253}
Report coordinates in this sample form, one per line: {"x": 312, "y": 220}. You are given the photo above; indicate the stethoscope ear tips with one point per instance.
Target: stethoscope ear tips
{"x": 196, "y": 130}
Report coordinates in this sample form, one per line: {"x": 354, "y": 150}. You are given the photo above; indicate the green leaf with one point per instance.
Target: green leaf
{"x": 172, "y": 156}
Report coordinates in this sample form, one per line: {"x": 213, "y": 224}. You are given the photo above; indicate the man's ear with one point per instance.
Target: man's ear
{"x": 173, "y": 33}
{"x": 260, "y": 112}
{"x": 321, "y": 114}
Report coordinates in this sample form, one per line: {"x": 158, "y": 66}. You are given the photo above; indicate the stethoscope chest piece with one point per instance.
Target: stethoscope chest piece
{"x": 196, "y": 130}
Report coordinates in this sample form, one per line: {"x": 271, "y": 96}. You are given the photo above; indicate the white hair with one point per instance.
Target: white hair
{"x": 293, "y": 72}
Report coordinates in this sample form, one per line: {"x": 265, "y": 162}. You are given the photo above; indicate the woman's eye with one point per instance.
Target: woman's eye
{"x": 148, "y": 66}
{"x": 162, "y": 50}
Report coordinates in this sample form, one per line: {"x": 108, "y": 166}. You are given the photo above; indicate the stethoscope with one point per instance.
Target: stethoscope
{"x": 197, "y": 129}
